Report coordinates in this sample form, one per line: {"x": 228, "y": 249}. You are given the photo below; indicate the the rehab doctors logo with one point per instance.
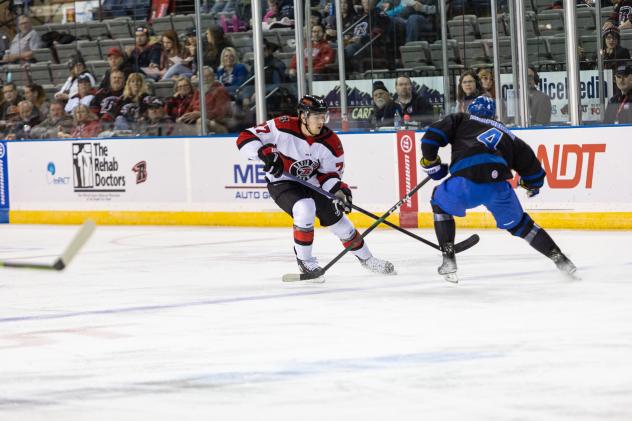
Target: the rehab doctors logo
{"x": 304, "y": 169}
{"x": 95, "y": 169}
{"x": 53, "y": 178}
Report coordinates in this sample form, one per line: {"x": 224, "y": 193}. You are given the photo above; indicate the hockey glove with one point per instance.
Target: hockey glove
{"x": 435, "y": 169}
{"x": 343, "y": 193}
{"x": 272, "y": 160}
{"x": 532, "y": 190}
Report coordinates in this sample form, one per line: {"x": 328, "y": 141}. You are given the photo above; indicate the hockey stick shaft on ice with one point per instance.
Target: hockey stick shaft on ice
{"x": 458, "y": 247}
{"x": 306, "y": 276}
{"x": 64, "y": 259}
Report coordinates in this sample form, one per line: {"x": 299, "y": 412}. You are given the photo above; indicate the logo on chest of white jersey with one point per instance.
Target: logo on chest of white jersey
{"x": 304, "y": 169}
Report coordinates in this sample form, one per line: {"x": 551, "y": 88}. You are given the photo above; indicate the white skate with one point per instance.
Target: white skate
{"x": 378, "y": 266}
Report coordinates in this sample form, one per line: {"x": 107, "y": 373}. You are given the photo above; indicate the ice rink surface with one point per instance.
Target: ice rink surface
{"x": 192, "y": 323}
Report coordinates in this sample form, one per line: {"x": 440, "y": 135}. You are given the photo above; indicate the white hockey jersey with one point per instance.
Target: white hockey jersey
{"x": 316, "y": 159}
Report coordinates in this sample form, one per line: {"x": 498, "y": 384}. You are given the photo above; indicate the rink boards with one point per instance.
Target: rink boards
{"x": 205, "y": 181}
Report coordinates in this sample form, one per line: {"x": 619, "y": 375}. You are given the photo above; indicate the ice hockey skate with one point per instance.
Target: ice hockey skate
{"x": 448, "y": 267}
{"x": 378, "y": 265}
{"x": 311, "y": 269}
{"x": 564, "y": 264}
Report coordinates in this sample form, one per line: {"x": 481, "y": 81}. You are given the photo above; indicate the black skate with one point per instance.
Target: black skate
{"x": 448, "y": 267}
{"x": 311, "y": 268}
{"x": 563, "y": 263}
{"x": 378, "y": 265}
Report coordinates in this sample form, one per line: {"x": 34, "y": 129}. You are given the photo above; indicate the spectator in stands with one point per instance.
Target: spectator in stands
{"x": 190, "y": 45}
{"x": 231, "y": 73}
{"x": 371, "y": 26}
{"x": 315, "y": 18}
{"x": 8, "y": 125}
{"x": 322, "y": 53}
{"x": 11, "y": 98}
{"x": 621, "y": 15}
{"x": 117, "y": 61}
{"x": 28, "y": 117}
{"x": 408, "y": 102}
{"x": 77, "y": 68}
{"x": 23, "y": 44}
{"x": 85, "y": 124}
{"x": 619, "y": 108}
{"x": 178, "y": 104}
{"x": 216, "y": 43}
{"x": 488, "y": 86}
{"x": 611, "y": 51}
{"x": 349, "y": 16}
{"x": 413, "y": 17}
{"x": 272, "y": 13}
{"x": 56, "y": 121}
{"x": 84, "y": 95}
{"x": 469, "y": 88}
{"x": 381, "y": 101}
{"x": 174, "y": 58}
{"x": 131, "y": 105}
{"x": 539, "y": 102}
{"x": 35, "y": 93}
{"x": 144, "y": 57}
{"x": 273, "y": 67}
{"x": 105, "y": 99}
{"x": 217, "y": 101}
{"x": 156, "y": 122}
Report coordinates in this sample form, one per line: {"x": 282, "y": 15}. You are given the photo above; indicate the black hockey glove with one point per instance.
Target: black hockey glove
{"x": 343, "y": 193}
{"x": 532, "y": 188}
{"x": 435, "y": 169}
{"x": 272, "y": 160}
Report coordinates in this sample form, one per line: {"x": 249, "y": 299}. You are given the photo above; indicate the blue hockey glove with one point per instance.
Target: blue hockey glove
{"x": 532, "y": 190}
{"x": 343, "y": 193}
{"x": 435, "y": 169}
{"x": 272, "y": 160}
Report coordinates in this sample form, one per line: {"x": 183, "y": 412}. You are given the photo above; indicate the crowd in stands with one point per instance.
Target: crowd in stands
{"x": 121, "y": 100}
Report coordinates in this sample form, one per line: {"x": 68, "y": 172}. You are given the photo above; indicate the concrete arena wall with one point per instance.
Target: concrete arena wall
{"x": 204, "y": 181}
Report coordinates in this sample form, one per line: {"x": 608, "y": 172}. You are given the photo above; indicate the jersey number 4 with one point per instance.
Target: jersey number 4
{"x": 490, "y": 138}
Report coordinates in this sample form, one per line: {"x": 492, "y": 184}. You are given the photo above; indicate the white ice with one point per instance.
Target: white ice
{"x": 192, "y": 323}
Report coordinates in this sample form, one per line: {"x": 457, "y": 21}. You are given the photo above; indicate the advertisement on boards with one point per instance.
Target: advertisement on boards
{"x": 97, "y": 174}
{"x": 407, "y": 170}
{"x": 555, "y": 85}
{"x": 4, "y": 184}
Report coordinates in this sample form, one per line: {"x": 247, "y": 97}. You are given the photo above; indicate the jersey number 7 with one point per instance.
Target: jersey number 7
{"x": 490, "y": 138}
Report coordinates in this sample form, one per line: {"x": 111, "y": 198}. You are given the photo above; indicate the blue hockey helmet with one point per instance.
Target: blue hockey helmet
{"x": 482, "y": 106}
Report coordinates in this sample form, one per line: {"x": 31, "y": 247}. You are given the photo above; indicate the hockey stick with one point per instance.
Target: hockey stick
{"x": 458, "y": 247}
{"x": 80, "y": 238}
{"x": 292, "y": 277}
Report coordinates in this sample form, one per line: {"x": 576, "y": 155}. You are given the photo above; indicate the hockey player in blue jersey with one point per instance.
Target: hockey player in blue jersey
{"x": 484, "y": 153}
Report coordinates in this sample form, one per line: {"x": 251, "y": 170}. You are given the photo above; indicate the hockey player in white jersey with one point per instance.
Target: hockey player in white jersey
{"x": 304, "y": 147}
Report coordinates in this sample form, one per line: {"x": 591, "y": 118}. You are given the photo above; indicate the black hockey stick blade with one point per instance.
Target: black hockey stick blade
{"x": 470, "y": 241}
{"x": 294, "y": 277}
{"x": 78, "y": 241}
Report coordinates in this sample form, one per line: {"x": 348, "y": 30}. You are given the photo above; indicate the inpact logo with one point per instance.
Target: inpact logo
{"x": 560, "y": 171}
{"x": 52, "y": 177}
{"x": 406, "y": 143}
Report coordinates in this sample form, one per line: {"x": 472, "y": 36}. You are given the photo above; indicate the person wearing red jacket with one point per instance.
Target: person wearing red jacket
{"x": 322, "y": 53}
{"x": 217, "y": 104}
